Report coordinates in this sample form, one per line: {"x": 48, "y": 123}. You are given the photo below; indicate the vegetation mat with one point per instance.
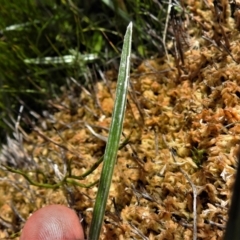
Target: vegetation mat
{"x": 174, "y": 174}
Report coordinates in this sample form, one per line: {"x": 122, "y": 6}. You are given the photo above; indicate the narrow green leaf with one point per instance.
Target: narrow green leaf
{"x": 233, "y": 224}
{"x": 113, "y": 139}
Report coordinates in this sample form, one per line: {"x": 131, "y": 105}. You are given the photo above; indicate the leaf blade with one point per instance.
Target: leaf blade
{"x": 113, "y": 139}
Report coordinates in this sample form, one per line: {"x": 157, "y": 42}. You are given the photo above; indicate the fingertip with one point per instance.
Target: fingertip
{"x": 53, "y": 222}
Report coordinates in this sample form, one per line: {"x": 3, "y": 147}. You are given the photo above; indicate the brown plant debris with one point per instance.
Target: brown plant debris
{"x": 188, "y": 108}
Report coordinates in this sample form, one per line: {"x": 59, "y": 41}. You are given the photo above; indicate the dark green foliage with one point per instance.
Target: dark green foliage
{"x": 31, "y": 29}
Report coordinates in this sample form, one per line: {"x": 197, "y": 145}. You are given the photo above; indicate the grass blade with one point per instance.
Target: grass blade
{"x": 113, "y": 139}
{"x": 233, "y": 225}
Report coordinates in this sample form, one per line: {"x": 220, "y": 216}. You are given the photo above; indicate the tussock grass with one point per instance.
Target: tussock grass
{"x": 43, "y": 43}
